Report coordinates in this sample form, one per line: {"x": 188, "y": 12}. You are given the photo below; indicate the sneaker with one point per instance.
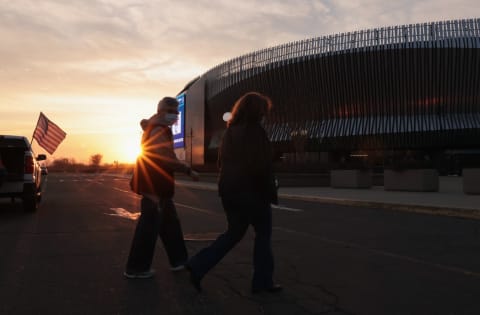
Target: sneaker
{"x": 177, "y": 268}
{"x": 139, "y": 274}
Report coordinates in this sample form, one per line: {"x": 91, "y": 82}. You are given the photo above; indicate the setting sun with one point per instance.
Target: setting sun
{"x": 131, "y": 149}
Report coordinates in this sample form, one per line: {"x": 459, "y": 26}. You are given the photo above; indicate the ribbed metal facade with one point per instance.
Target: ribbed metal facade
{"x": 402, "y": 87}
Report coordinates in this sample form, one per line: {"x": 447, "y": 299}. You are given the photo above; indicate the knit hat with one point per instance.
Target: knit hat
{"x": 167, "y": 103}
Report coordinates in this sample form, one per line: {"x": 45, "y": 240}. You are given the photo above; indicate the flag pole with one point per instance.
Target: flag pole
{"x": 31, "y": 141}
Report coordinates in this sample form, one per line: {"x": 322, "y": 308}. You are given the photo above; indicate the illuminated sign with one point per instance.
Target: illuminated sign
{"x": 178, "y": 129}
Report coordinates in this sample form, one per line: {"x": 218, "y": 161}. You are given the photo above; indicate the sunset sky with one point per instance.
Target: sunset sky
{"x": 97, "y": 67}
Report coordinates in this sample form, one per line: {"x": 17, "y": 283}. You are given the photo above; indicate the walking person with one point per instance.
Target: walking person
{"x": 246, "y": 189}
{"x": 153, "y": 179}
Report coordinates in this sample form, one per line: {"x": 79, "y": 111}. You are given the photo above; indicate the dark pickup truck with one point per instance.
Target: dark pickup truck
{"x": 20, "y": 171}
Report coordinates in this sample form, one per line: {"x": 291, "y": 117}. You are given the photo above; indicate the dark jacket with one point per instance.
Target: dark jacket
{"x": 154, "y": 169}
{"x": 245, "y": 161}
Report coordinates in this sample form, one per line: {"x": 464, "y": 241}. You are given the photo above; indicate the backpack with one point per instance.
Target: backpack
{"x": 145, "y": 177}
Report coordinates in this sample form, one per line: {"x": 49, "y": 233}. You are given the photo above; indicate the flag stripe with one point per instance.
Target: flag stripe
{"x": 54, "y": 137}
{"x": 48, "y": 134}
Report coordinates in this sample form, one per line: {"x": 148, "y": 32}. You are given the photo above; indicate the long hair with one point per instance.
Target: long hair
{"x": 250, "y": 108}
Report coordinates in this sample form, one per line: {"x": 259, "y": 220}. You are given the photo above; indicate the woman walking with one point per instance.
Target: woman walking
{"x": 246, "y": 187}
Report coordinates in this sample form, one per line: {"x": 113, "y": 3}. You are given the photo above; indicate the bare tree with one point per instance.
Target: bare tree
{"x": 96, "y": 159}
{"x": 64, "y": 165}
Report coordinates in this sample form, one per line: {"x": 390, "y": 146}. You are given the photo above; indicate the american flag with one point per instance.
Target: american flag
{"x": 47, "y": 134}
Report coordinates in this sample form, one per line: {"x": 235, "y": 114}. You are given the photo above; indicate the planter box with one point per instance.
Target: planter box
{"x": 411, "y": 180}
{"x": 471, "y": 181}
{"x": 351, "y": 178}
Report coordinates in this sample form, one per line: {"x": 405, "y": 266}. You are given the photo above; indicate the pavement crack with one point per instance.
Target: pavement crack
{"x": 232, "y": 288}
{"x": 333, "y": 304}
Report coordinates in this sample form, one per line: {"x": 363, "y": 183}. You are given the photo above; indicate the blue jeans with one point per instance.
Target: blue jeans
{"x": 156, "y": 220}
{"x": 241, "y": 211}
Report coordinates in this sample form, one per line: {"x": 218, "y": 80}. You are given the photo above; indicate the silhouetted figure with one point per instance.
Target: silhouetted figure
{"x": 246, "y": 187}
{"x": 154, "y": 180}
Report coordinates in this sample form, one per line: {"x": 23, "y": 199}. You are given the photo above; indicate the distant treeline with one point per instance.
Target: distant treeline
{"x": 70, "y": 165}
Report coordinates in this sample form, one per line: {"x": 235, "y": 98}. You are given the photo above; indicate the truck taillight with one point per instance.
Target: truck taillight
{"x": 29, "y": 165}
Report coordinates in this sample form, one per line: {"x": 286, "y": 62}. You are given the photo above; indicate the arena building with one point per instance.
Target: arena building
{"x": 372, "y": 96}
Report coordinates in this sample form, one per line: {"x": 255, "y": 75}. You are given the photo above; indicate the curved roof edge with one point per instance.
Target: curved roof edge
{"x": 391, "y": 35}
{"x": 188, "y": 85}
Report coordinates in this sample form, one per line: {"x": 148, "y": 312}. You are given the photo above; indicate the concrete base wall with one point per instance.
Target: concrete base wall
{"x": 411, "y": 180}
{"x": 350, "y": 179}
{"x": 304, "y": 180}
{"x": 471, "y": 181}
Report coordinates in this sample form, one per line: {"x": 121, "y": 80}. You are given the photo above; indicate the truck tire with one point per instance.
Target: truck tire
{"x": 30, "y": 198}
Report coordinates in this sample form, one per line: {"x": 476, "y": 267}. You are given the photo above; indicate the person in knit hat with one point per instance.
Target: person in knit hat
{"x": 154, "y": 180}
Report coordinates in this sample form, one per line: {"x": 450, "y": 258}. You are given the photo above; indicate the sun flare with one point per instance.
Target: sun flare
{"x": 131, "y": 149}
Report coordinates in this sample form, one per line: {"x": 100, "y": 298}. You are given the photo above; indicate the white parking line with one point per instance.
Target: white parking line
{"x": 277, "y": 207}
{"x": 413, "y": 260}
{"x": 122, "y": 190}
{"x": 120, "y": 212}
{"x": 280, "y": 207}
{"x": 198, "y": 209}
